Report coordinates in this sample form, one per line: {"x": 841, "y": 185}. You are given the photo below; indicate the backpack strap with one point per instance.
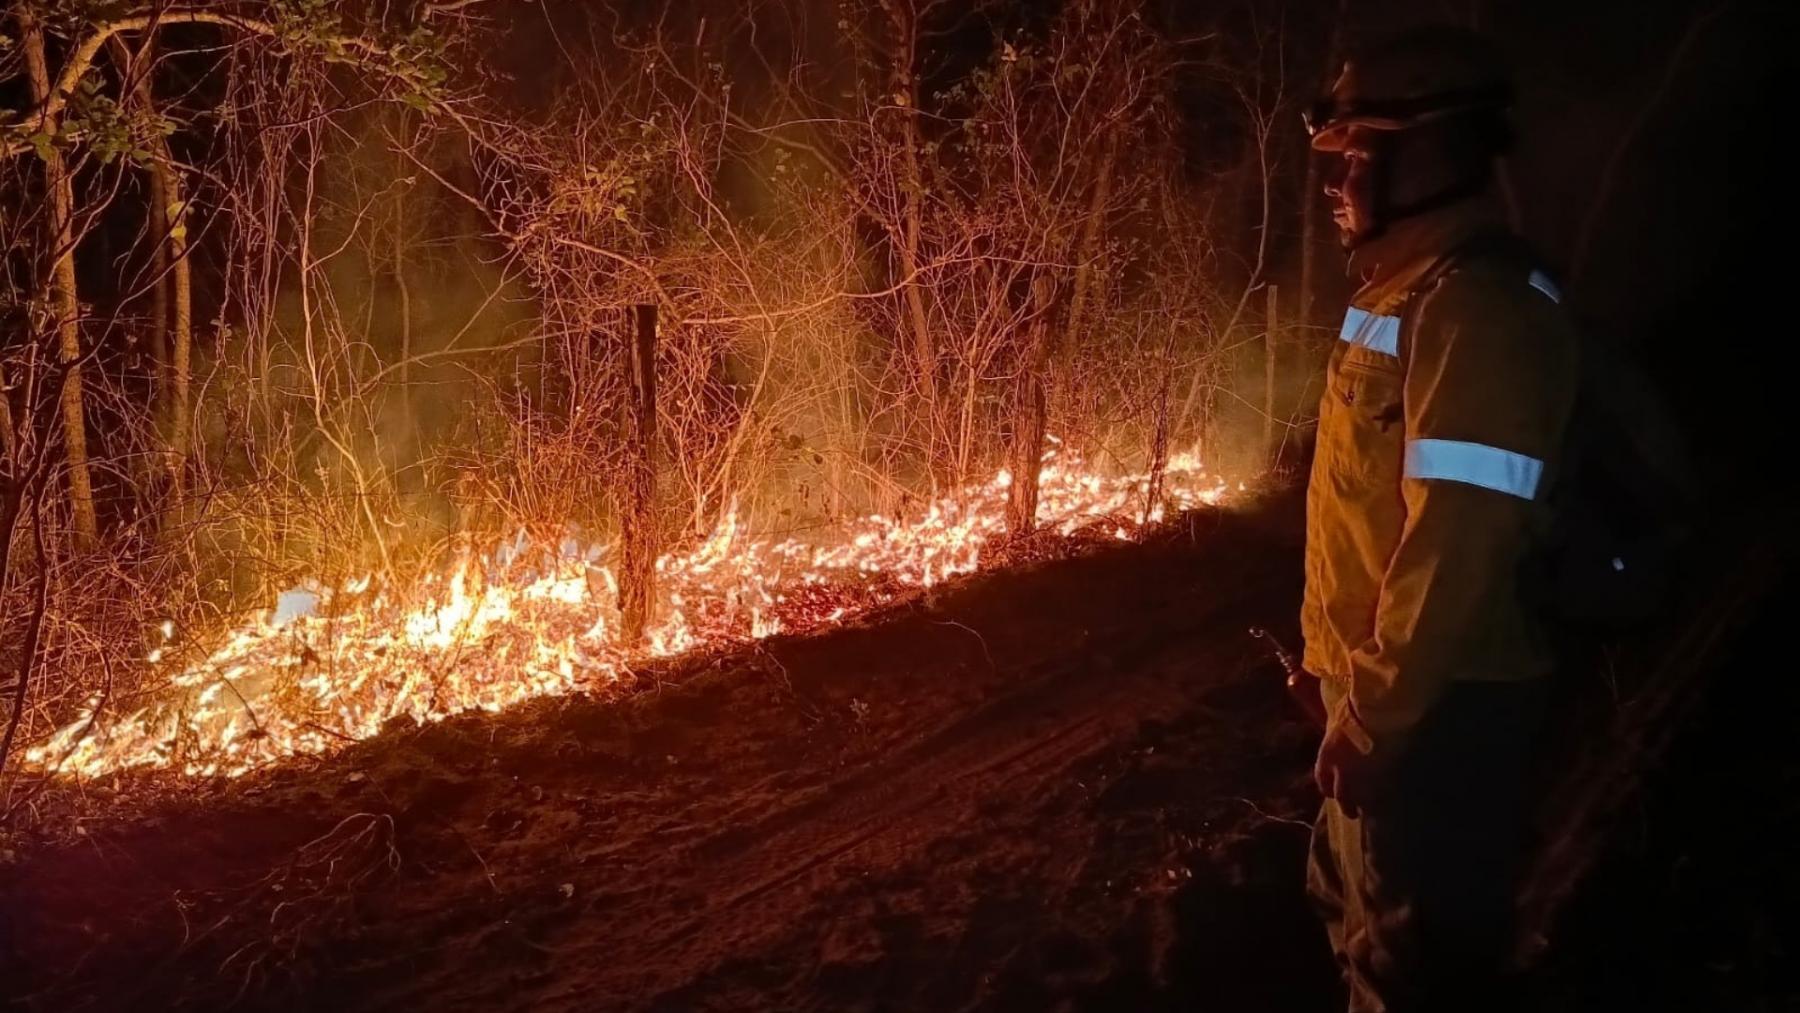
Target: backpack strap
{"x": 1493, "y": 246}
{"x": 1503, "y": 247}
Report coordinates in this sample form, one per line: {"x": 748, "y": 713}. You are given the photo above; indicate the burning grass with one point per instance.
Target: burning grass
{"x": 332, "y": 665}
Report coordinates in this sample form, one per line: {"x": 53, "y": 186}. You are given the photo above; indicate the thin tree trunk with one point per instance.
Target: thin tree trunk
{"x": 1029, "y": 415}
{"x": 159, "y": 297}
{"x": 400, "y": 280}
{"x": 64, "y": 299}
{"x": 912, "y": 194}
{"x": 174, "y": 294}
{"x": 1159, "y": 434}
{"x": 136, "y": 72}
{"x": 840, "y": 447}
{"x": 1271, "y": 351}
{"x": 12, "y": 503}
{"x": 638, "y": 534}
{"x": 1028, "y": 447}
{"x": 1091, "y": 233}
{"x": 7, "y": 446}
{"x": 34, "y": 629}
{"x": 183, "y": 326}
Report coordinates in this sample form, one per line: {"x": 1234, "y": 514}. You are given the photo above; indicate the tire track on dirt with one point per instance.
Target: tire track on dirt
{"x": 804, "y": 848}
{"x": 751, "y": 882}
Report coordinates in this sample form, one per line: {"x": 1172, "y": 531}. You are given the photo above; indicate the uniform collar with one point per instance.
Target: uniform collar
{"x": 1391, "y": 264}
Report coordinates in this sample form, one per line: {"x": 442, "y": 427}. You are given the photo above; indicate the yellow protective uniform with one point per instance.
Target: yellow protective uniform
{"x": 1444, "y": 411}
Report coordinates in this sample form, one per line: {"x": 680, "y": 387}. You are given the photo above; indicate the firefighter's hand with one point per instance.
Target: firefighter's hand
{"x": 1350, "y": 768}
{"x": 1307, "y": 693}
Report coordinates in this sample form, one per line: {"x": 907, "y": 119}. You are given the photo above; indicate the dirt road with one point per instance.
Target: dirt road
{"x": 1063, "y": 787}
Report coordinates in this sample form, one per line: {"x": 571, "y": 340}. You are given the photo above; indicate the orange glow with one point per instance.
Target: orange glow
{"x": 514, "y": 625}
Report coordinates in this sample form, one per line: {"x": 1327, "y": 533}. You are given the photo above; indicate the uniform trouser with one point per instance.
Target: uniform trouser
{"x": 1418, "y": 893}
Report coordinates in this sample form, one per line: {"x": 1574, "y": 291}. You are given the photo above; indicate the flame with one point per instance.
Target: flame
{"x": 329, "y": 666}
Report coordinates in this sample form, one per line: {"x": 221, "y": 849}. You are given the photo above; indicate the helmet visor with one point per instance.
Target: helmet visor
{"x": 1328, "y": 119}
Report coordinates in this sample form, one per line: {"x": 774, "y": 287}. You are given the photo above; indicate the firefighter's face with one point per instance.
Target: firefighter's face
{"x": 1350, "y": 185}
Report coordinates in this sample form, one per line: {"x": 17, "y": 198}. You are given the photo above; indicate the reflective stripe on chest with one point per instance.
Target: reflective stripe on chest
{"x": 1373, "y": 331}
{"x": 1426, "y": 459}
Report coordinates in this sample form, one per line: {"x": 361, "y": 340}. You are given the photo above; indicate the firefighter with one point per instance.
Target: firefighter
{"x": 1446, "y": 401}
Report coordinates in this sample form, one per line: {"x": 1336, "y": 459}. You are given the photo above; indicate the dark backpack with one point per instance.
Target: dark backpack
{"x": 1619, "y": 511}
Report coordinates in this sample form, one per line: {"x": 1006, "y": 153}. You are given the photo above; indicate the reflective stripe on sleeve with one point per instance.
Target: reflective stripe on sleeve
{"x": 1474, "y": 464}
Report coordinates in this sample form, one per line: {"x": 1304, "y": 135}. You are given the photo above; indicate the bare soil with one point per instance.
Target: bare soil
{"x": 1072, "y": 786}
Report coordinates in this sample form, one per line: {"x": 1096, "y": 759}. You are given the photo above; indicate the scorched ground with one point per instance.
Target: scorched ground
{"x": 1070, "y": 786}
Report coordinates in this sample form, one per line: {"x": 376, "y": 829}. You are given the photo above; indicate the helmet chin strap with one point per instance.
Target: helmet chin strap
{"x": 1385, "y": 211}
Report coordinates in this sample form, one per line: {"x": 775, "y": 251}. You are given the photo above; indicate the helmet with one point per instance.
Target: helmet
{"x": 1416, "y": 77}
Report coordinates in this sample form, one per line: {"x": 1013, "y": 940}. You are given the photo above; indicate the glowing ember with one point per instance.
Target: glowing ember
{"x": 332, "y": 665}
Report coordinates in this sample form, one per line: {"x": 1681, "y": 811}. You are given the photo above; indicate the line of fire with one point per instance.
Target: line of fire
{"x": 905, "y": 505}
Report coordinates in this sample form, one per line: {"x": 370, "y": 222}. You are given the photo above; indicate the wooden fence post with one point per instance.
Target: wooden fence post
{"x": 1028, "y": 411}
